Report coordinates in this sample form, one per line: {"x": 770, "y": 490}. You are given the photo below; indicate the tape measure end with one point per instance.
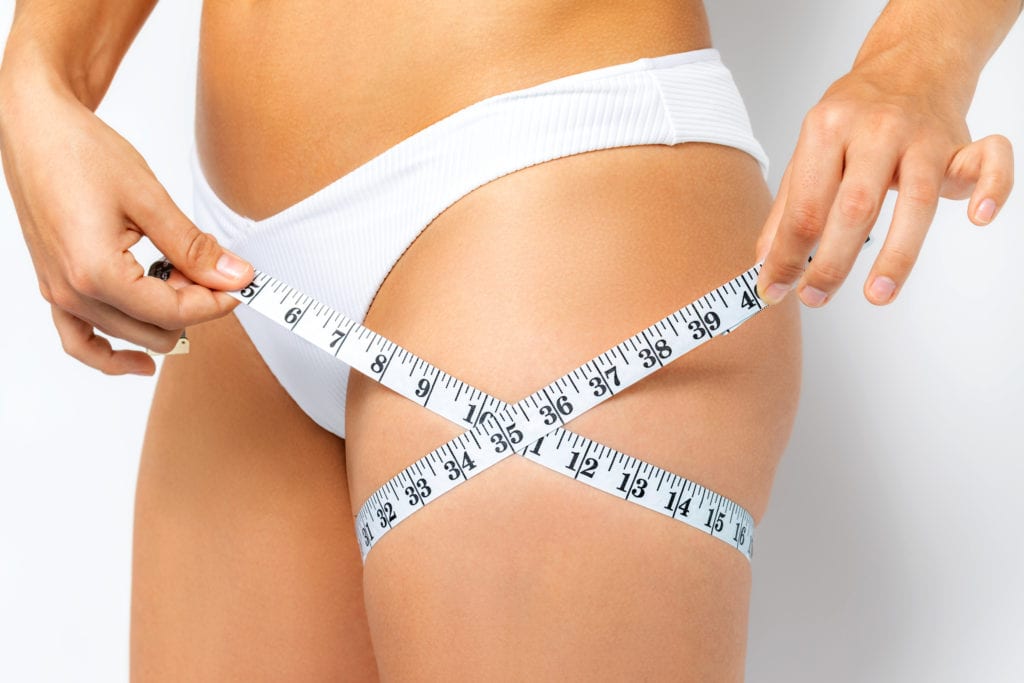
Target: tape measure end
{"x": 180, "y": 348}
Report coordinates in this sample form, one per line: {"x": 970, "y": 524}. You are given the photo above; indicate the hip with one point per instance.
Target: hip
{"x": 294, "y": 95}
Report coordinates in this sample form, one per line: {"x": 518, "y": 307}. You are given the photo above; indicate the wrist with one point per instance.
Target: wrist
{"x": 27, "y": 68}
{"x": 28, "y": 98}
{"x": 946, "y": 79}
{"x": 935, "y": 48}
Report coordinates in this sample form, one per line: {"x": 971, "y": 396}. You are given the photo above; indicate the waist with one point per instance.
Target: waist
{"x": 292, "y": 95}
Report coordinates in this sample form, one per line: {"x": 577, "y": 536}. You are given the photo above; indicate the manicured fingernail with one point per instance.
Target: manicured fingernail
{"x": 881, "y": 289}
{"x": 812, "y": 296}
{"x": 986, "y": 210}
{"x": 230, "y": 265}
{"x": 774, "y": 293}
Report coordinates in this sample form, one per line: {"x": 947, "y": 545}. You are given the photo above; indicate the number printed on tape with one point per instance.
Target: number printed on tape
{"x": 534, "y": 427}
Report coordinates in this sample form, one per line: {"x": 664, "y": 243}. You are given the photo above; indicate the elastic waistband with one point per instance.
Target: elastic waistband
{"x": 667, "y": 99}
{"x": 709, "y": 54}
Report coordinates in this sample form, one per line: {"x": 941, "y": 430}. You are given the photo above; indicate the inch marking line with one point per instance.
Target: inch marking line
{"x": 530, "y": 427}
{"x": 501, "y": 433}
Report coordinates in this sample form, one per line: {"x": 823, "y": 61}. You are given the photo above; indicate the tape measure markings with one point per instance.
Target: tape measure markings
{"x": 709, "y": 321}
{"x": 658, "y": 354}
{"x": 609, "y": 377}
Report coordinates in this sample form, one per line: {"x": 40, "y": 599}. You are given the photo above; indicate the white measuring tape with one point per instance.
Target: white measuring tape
{"x": 533, "y": 427}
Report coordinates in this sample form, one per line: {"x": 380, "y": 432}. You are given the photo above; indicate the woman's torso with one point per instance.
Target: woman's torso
{"x": 292, "y": 95}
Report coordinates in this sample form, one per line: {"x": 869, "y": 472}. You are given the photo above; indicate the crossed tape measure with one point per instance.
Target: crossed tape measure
{"x": 533, "y": 427}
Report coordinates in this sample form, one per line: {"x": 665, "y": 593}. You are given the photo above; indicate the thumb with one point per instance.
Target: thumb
{"x": 193, "y": 252}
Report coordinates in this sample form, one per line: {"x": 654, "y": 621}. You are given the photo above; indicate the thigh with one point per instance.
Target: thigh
{"x": 245, "y": 564}
{"x": 522, "y": 573}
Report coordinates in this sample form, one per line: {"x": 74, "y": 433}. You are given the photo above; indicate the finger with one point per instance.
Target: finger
{"x": 817, "y": 168}
{"x": 177, "y": 280}
{"x": 165, "y": 270}
{"x": 771, "y": 224}
{"x": 920, "y": 180}
{"x": 983, "y": 170}
{"x": 81, "y": 343}
{"x": 114, "y": 323}
{"x": 869, "y": 170}
{"x": 194, "y": 252}
{"x": 124, "y": 286}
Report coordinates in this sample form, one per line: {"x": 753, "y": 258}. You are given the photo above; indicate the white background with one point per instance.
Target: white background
{"x": 891, "y": 549}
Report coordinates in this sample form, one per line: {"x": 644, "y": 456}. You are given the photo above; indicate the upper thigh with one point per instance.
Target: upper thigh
{"x": 514, "y": 285}
{"x": 245, "y": 563}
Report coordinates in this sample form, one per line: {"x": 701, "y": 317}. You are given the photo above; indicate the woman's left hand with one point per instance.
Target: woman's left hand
{"x": 868, "y": 134}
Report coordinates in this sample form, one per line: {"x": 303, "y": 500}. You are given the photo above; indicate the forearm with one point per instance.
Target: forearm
{"x": 77, "y": 44}
{"x": 943, "y": 42}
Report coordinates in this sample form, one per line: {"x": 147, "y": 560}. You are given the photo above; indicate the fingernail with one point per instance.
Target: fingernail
{"x": 881, "y": 289}
{"x": 775, "y": 292}
{"x": 985, "y": 211}
{"x": 230, "y": 265}
{"x": 812, "y": 296}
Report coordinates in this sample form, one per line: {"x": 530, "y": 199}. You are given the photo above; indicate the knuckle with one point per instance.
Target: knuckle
{"x": 72, "y": 346}
{"x": 787, "y": 272}
{"x": 826, "y": 275}
{"x": 825, "y": 119}
{"x": 46, "y": 292}
{"x": 887, "y": 120}
{"x": 999, "y": 142}
{"x": 81, "y": 280}
{"x": 173, "y": 319}
{"x": 920, "y": 193}
{"x": 806, "y": 221}
{"x": 899, "y": 261}
{"x": 857, "y": 204}
{"x": 200, "y": 247}
{"x": 64, "y": 297}
{"x": 999, "y": 178}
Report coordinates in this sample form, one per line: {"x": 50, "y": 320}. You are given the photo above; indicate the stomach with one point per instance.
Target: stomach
{"x": 294, "y": 94}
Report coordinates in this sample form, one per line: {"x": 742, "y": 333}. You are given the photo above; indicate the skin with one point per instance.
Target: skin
{"x": 244, "y": 565}
{"x": 896, "y": 121}
{"x": 572, "y": 571}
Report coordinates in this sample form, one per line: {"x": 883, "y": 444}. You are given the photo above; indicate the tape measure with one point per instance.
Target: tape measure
{"x": 534, "y": 427}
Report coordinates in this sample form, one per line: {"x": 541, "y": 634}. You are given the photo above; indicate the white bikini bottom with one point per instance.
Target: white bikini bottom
{"x": 338, "y": 244}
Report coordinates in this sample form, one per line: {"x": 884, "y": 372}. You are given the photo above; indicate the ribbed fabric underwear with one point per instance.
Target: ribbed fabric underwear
{"x": 339, "y": 243}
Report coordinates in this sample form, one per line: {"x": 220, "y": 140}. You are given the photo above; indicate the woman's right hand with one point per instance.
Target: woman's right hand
{"x": 83, "y": 196}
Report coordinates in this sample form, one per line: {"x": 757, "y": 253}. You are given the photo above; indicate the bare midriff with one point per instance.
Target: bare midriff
{"x": 293, "y": 94}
